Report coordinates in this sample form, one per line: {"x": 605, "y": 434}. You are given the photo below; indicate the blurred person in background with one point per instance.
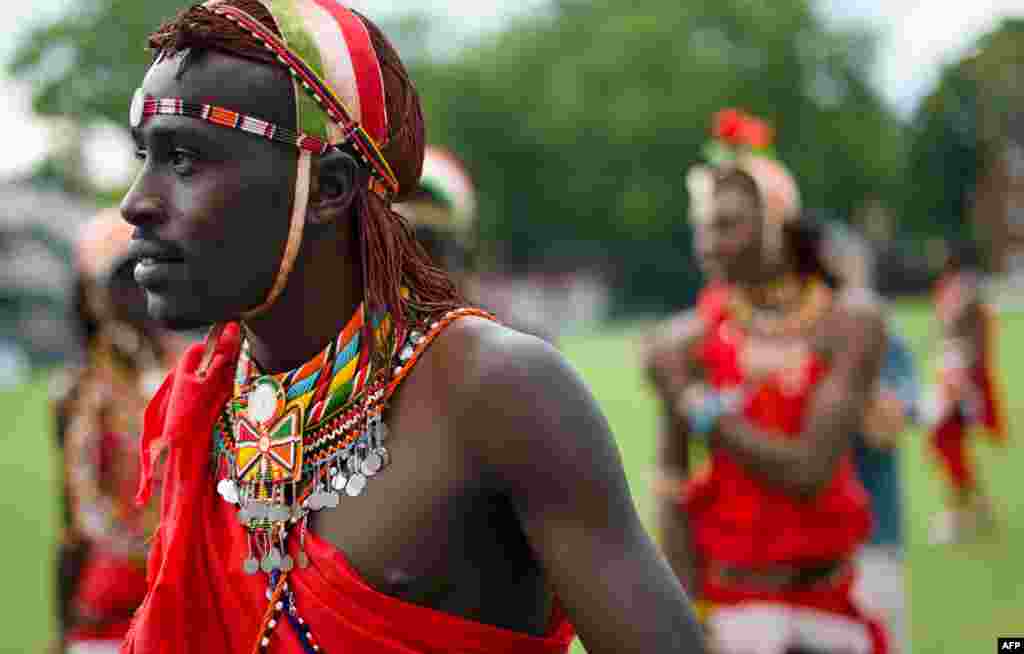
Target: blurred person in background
{"x": 356, "y": 460}
{"x": 776, "y": 368}
{"x": 442, "y": 214}
{"x": 101, "y": 576}
{"x": 881, "y": 583}
{"x": 967, "y": 398}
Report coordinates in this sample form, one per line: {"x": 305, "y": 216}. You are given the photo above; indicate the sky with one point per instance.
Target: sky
{"x": 918, "y": 37}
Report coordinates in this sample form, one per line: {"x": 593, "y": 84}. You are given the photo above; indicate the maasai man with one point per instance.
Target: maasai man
{"x": 967, "y": 398}
{"x": 355, "y": 461}
{"x": 101, "y": 576}
{"x": 880, "y": 586}
{"x": 766, "y": 535}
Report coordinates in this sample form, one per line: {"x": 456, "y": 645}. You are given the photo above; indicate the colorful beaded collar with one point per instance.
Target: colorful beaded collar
{"x": 297, "y": 442}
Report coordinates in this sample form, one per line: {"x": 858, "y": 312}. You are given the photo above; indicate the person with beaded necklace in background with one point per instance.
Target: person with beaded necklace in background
{"x": 775, "y": 368}
{"x": 98, "y": 408}
{"x": 356, "y": 461}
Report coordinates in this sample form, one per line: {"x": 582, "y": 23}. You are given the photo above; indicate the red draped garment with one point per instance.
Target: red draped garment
{"x": 200, "y": 599}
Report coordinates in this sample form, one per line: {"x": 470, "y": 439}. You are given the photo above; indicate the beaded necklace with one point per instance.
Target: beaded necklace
{"x": 333, "y": 456}
{"x": 808, "y": 302}
{"x": 296, "y": 442}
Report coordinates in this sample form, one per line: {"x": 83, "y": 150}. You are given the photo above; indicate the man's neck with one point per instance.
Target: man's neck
{"x": 323, "y": 292}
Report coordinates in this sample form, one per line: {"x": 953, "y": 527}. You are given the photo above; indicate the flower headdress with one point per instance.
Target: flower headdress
{"x": 745, "y": 142}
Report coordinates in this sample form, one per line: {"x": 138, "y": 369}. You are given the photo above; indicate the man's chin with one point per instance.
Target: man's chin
{"x": 170, "y": 315}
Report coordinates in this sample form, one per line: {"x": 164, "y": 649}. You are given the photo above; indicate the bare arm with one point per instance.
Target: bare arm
{"x": 553, "y": 454}
{"x": 671, "y": 366}
{"x": 805, "y": 465}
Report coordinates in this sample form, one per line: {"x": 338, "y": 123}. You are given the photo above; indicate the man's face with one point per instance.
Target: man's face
{"x": 728, "y": 239}
{"x": 211, "y": 205}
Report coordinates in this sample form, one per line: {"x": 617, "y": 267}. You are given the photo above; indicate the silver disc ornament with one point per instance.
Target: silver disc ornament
{"x": 265, "y": 401}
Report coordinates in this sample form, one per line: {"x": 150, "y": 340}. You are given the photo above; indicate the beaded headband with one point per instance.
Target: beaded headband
{"x": 446, "y": 179}
{"x": 145, "y": 106}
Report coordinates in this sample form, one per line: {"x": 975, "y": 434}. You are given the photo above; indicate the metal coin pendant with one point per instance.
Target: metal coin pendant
{"x": 228, "y": 490}
{"x": 331, "y": 501}
{"x": 339, "y": 481}
{"x": 251, "y": 566}
{"x": 385, "y": 456}
{"x": 356, "y": 485}
{"x": 372, "y": 464}
{"x": 266, "y": 564}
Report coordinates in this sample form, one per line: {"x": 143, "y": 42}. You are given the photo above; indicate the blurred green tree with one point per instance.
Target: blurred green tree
{"x": 579, "y": 120}
{"x": 959, "y": 131}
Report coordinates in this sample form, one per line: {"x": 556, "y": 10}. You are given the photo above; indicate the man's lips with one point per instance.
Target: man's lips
{"x": 152, "y": 252}
{"x": 155, "y": 265}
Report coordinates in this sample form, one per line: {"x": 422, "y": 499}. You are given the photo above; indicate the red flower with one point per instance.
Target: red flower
{"x": 736, "y": 128}
{"x": 729, "y": 126}
{"x": 756, "y": 133}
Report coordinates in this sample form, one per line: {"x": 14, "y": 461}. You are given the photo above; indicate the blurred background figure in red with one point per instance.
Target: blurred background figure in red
{"x": 776, "y": 369}
{"x": 101, "y": 577}
{"x": 968, "y": 398}
{"x": 442, "y": 214}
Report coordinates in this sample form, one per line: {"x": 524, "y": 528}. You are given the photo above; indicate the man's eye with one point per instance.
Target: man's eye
{"x": 183, "y": 161}
{"x": 141, "y": 154}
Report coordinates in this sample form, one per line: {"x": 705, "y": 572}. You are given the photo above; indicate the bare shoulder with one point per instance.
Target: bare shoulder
{"x": 485, "y": 355}
{"x": 513, "y": 393}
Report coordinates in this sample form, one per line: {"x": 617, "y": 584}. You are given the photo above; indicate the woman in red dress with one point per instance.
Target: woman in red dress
{"x": 775, "y": 368}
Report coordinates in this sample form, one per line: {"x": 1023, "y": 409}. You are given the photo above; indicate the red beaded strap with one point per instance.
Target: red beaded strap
{"x": 271, "y": 617}
{"x": 379, "y": 396}
{"x": 435, "y": 329}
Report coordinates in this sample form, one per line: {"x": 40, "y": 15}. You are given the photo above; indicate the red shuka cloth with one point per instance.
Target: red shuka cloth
{"x": 200, "y": 599}
{"x": 737, "y": 519}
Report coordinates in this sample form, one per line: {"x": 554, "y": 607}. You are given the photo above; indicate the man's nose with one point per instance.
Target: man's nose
{"x": 141, "y": 206}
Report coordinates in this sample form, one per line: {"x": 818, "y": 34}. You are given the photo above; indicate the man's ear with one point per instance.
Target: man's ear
{"x": 336, "y": 178}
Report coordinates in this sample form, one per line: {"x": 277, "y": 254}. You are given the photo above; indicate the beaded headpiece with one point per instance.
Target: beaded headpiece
{"x": 447, "y": 182}
{"x": 339, "y": 97}
{"x": 745, "y": 143}
{"x": 445, "y": 178}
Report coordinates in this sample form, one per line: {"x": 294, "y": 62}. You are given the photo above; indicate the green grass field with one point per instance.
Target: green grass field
{"x": 960, "y": 597}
